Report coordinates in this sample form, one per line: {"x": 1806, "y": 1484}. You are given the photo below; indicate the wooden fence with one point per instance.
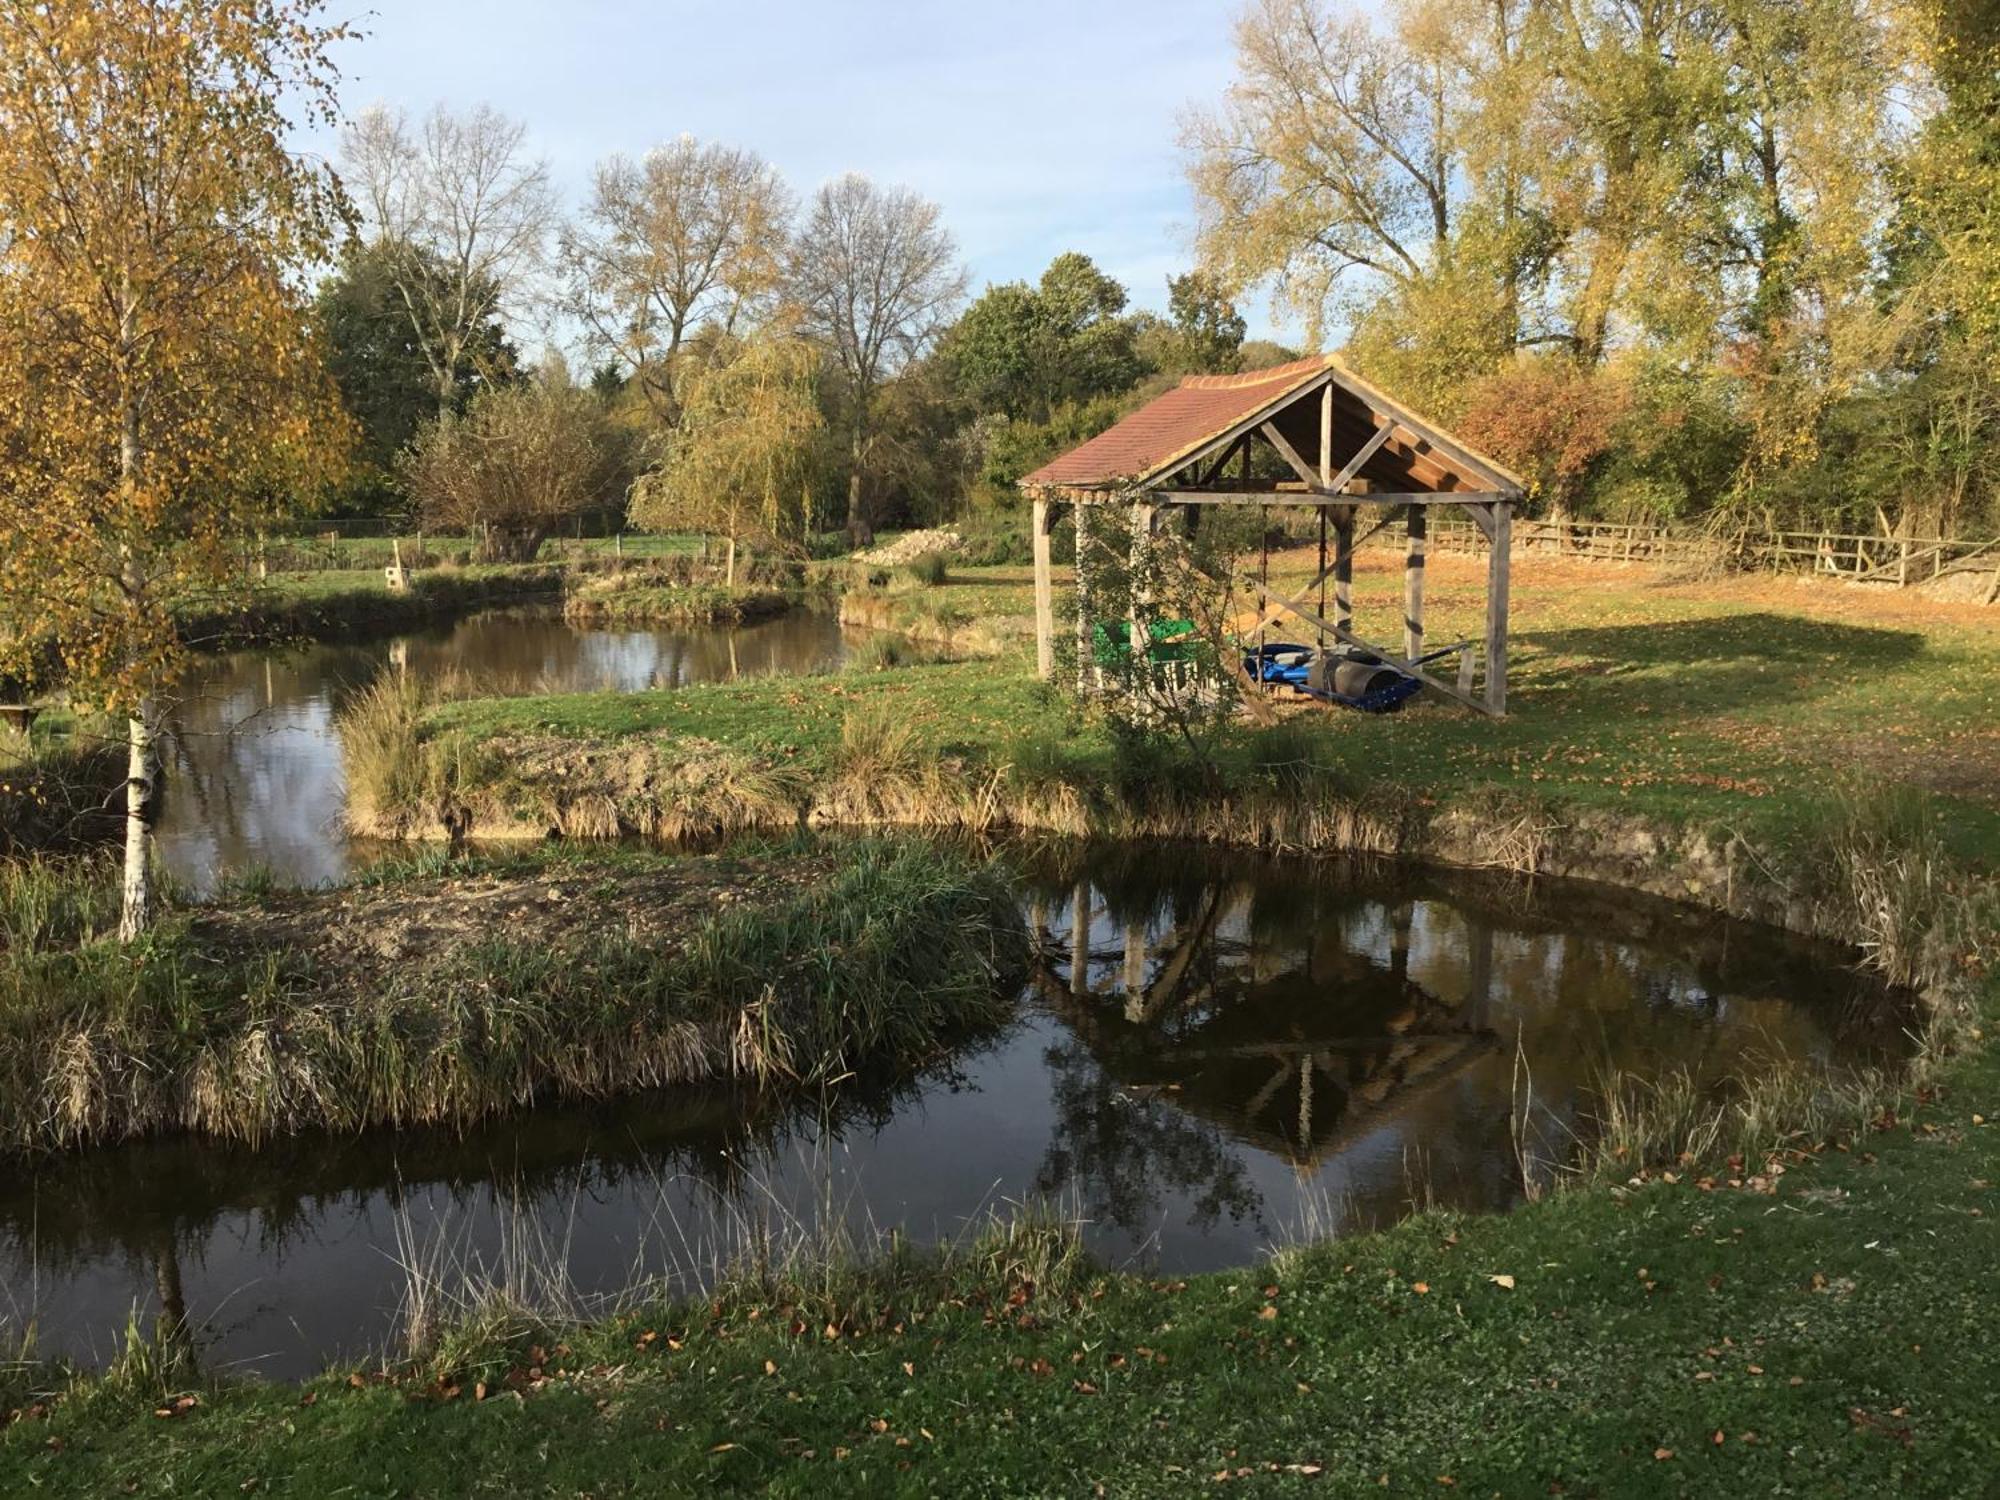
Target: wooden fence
{"x": 1898, "y": 560}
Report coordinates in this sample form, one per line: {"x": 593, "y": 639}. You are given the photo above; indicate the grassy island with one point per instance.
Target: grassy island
{"x": 444, "y": 991}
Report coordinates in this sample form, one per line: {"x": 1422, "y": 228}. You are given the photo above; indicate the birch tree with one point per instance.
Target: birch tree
{"x": 877, "y": 278}
{"x": 461, "y": 215}
{"x": 160, "y": 392}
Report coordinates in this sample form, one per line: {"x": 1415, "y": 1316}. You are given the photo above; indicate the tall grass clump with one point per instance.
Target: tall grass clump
{"x": 51, "y": 904}
{"x": 878, "y": 651}
{"x": 393, "y": 778}
{"x": 1678, "y": 1121}
{"x": 881, "y": 965}
{"x": 1881, "y": 864}
{"x": 883, "y": 773}
{"x": 930, "y": 570}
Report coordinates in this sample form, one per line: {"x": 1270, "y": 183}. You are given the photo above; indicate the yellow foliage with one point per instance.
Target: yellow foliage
{"x": 160, "y": 392}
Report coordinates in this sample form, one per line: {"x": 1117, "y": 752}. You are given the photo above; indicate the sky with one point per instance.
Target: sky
{"x": 1040, "y": 126}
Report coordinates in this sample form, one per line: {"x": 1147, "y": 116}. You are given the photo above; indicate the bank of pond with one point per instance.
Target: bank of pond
{"x": 339, "y": 1049}
{"x": 645, "y": 1064}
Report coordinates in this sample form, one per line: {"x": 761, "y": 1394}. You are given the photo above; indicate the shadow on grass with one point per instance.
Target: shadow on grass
{"x": 1733, "y": 661}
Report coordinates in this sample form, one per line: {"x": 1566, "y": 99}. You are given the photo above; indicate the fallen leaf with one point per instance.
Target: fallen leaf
{"x": 1503, "y": 1281}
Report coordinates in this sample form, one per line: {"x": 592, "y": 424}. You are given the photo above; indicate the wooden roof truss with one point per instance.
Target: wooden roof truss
{"x": 1340, "y": 444}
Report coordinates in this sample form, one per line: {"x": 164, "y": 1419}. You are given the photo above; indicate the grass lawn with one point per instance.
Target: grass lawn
{"x": 1825, "y": 1331}
{"x": 1742, "y": 703}
{"x": 1817, "y": 1324}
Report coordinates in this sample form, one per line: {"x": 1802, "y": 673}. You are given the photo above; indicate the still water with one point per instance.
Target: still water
{"x": 1213, "y": 1052}
{"x": 253, "y": 764}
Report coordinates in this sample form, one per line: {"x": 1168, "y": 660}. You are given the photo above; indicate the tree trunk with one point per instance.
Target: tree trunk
{"x": 729, "y": 568}
{"x": 514, "y": 544}
{"x": 138, "y": 908}
{"x": 860, "y": 529}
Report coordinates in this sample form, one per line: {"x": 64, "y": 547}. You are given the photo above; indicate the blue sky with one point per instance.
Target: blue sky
{"x": 1039, "y": 126}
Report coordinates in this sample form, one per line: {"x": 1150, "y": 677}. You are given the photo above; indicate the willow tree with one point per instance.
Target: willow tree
{"x": 520, "y": 460}
{"x": 160, "y": 393}
{"x": 740, "y": 465}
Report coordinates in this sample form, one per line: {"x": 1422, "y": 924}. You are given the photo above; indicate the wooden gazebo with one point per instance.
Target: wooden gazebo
{"x": 1344, "y": 445}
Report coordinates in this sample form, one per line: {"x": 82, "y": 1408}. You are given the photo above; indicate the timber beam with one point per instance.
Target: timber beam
{"x": 1312, "y": 496}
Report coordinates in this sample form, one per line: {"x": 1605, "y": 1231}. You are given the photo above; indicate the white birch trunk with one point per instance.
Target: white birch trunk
{"x": 138, "y": 907}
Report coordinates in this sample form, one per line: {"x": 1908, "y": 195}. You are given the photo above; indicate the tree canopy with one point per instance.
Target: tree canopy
{"x": 520, "y": 460}
{"x": 376, "y": 358}
{"x": 161, "y": 392}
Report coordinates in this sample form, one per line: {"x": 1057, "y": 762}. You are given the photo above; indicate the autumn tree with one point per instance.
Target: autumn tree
{"x": 876, "y": 278}
{"x": 1550, "y": 420}
{"x": 520, "y": 460}
{"x": 692, "y": 235}
{"x": 1457, "y": 182}
{"x": 459, "y": 216}
{"x": 160, "y": 392}
{"x": 740, "y": 464}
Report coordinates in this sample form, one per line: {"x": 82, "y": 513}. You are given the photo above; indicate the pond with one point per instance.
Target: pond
{"x": 1214, "y": 1052}
{"x": 253, "y": 774}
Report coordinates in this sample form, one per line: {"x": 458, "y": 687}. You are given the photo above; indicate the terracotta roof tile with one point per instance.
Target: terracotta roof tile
{"x": 1170, "y": 430}
{"x": 1192, "y": 414}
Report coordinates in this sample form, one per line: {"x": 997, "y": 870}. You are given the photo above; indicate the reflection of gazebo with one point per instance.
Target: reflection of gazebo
{"x": 1338, "y": 444}
{"x": 1235, "y": 1051}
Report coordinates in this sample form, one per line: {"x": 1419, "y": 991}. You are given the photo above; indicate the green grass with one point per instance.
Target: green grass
{"x": 1826, "y": 1331}
{"x": 1732, "y": 707}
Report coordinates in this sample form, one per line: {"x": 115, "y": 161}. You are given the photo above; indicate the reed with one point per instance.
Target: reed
{"x": 885, "y": 962}
{"x": 1879, "y": 863}
{"x": 469, "y": 1315}
{"x": 1740, "y": 1127}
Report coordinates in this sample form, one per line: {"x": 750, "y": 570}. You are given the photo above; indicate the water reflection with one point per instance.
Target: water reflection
{"x": 1211, "y": 1049}
{"x": 254, "y": 773}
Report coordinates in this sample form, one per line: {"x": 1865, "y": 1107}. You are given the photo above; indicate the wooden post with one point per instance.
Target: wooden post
{"x": 1326, "y": 439}
{"x": 1082, "y": 605}
{"x": 1497, "y": 571}
{"x": 1417, "y": 523}
{"x": 1045, "y": 597}
{"x": 1136, "y": 599}
{"x": 1343, "y": 566}
{"x": 1135, "y": 971}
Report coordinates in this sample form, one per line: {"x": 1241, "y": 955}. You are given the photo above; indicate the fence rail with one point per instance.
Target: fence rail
{"x": 1901, "y": 560}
